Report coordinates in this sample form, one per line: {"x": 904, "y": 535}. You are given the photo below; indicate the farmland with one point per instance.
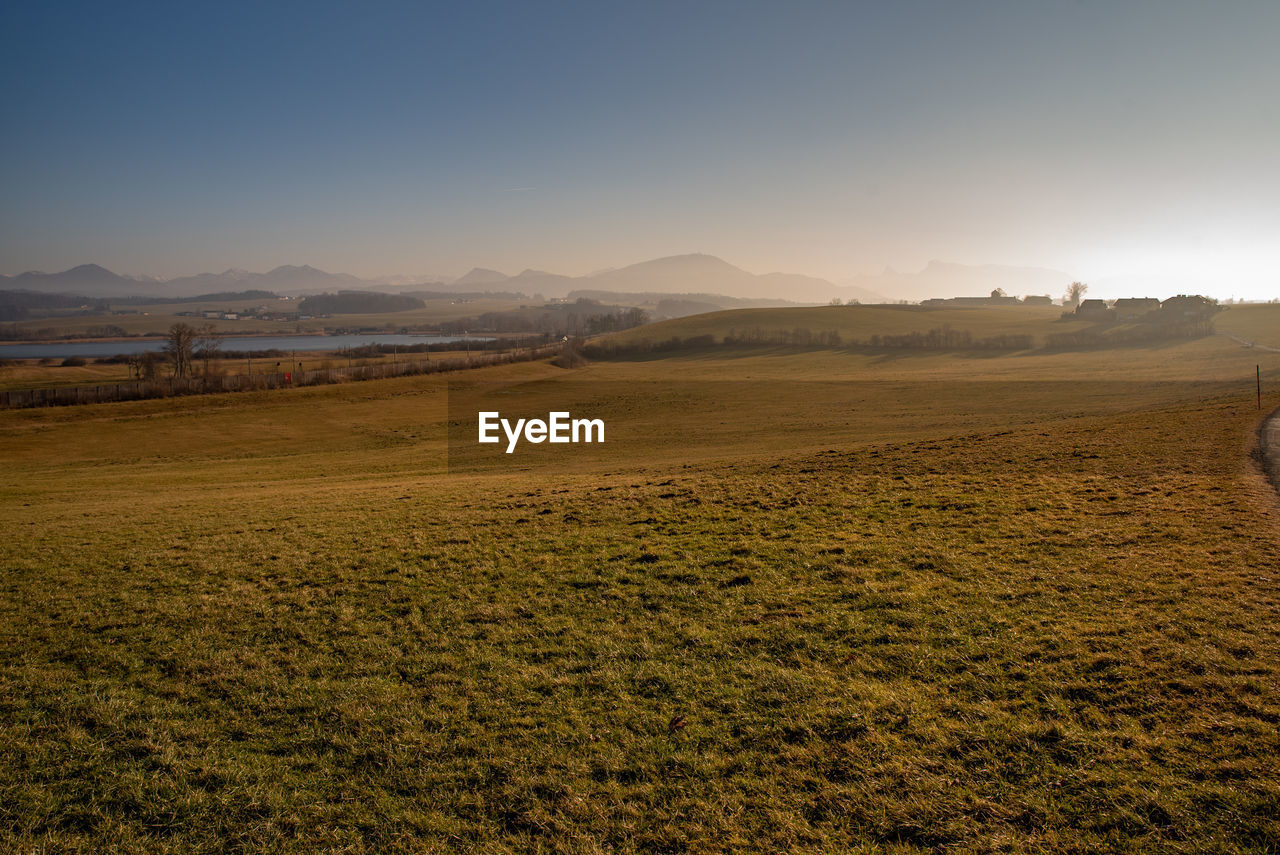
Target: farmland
{"x": 154, "y": 319}
{"x": 802, "y": 599}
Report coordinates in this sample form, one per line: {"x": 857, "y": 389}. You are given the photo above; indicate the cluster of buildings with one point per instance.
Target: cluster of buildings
{"x": 997, "y": 298}
{"x": 1145, "y": 308}
{"x": 259, "y": 313}
{"x": 1180, "y": 307}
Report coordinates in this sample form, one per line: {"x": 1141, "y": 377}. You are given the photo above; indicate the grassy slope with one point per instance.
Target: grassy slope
{"x": 1021, "y": 602}
{"x": 861, "y": 322}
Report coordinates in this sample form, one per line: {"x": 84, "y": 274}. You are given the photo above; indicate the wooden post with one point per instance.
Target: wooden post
{"x": 1258, "y": 371}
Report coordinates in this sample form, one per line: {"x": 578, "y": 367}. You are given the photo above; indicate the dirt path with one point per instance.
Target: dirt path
{"x": 1269, "y": 446}
{"x": 1248, "y": 343}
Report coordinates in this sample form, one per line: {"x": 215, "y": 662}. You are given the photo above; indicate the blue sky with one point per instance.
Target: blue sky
{"x": 1120, "y": 141}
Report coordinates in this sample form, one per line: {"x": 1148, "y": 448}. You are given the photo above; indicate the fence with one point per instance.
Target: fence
{"x": 133, "y": 390}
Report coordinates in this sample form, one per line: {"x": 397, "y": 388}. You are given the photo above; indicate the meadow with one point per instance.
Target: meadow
{"x": 800, "y": 600}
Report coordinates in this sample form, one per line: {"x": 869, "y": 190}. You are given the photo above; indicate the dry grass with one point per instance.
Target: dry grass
{"x": 926, "y": 604}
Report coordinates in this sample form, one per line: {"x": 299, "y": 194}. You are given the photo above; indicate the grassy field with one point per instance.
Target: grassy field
{"x": 859, "y": 323}
{"x": 798, "y": 601}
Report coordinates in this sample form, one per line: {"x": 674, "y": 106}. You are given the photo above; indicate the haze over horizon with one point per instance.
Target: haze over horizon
{"x": 1131, "y": 145}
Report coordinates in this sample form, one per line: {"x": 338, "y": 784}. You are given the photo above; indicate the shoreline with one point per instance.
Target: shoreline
{"x": 144, "y": 338}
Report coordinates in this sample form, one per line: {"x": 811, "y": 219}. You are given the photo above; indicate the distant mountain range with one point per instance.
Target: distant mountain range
{"x": 91, "y": 280}
{"x": 678, "y": 274}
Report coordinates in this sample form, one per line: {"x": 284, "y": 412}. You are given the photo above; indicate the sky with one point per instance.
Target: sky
{"x": 1130, "y": 144}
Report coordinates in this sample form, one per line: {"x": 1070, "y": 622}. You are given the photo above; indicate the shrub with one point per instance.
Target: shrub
{"x": 569, "y": 357}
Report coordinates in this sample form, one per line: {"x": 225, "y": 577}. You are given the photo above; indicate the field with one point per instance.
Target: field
{"x": 800, "y": 600}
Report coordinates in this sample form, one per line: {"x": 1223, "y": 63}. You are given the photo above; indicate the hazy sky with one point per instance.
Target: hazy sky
{"x": 1113, "y": 140}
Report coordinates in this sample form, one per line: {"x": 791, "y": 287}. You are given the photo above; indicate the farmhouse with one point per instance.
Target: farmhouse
{"x": 1188, "y": 306}
{"x": 1129, "y": 308}
{"x": 1093, "y": 309}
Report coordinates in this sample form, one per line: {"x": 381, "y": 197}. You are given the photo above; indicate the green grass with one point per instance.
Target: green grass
{"x": 921, "y": 603}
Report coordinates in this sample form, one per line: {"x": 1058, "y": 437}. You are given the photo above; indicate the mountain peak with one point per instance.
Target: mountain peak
{"x": 85, "y": 280}
{"x": 481, "y": 276}
{"x": 294, "y": 268}
{"x": 699, "y": 273}
{"x": 690, "y": 273}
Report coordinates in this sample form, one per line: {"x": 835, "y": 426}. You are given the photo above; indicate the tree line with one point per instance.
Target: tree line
{"x": 358, "y": 303}
{"x": 942, "y": 338}
{"x": 19, "y": 305}
{"x": 580, "y": 318}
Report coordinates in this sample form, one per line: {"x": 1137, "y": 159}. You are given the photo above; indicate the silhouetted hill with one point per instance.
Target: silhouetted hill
{"x": 287, "y": 278}
{"x": 86, "y": 280}
{"x": 479, "y": 276}
{"x": 710, "y": 275}
{"x": 677, "y": 274}
{"x": 92, "y": 280}
{"x": 211, "y": 283}
{"x": 541, "y": 282}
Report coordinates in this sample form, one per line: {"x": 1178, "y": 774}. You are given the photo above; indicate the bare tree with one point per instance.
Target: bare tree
{"x": 206, "y": 344}
{"x": 142, "y": 366}
{"x": 1075, "y": 293}
{"x": 179, "y": 348}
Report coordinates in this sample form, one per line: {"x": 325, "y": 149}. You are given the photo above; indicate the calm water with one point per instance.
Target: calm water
{"x": 91, "y": 349}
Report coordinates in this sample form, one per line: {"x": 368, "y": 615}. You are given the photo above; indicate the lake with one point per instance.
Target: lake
{"x": 93, "y": 349}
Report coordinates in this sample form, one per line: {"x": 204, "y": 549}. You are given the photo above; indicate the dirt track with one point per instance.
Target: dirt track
{"x": 1269, "y": 446}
